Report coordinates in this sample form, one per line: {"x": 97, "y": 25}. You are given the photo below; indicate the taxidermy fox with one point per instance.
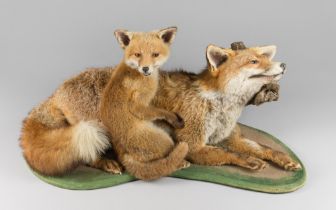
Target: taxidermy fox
{"x": 212, "y": 101}
{"x": 144, "y": 149}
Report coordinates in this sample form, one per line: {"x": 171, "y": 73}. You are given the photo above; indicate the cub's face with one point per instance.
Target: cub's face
{"x": 146, "y": 52}
{"x": 244, "y": 72}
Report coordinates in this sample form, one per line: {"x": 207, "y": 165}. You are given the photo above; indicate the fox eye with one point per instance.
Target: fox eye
{"x": 155, "y": 55}
{"x": 137, "y": 54}
{"x": 254, "y": 61}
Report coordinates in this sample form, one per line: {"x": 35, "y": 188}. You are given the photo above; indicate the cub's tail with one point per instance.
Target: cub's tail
{"x": 157, "y": 168}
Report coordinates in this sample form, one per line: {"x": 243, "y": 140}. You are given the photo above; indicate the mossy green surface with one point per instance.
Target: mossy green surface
{"x": 88, "y": 179}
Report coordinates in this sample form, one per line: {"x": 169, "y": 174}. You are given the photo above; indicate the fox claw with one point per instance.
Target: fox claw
{"x": 178, "y": 122}
{"x": 184, "y": 164}
{"x": 292, "y": 166}
{"x": 252, "y": 163}
{"x": 256, "y": 163}
{"x": 112, "y": 167}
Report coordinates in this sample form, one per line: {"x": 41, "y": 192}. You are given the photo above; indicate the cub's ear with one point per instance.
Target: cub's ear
{"x": 124, "y": 37}
{"x": 167, "y": 34}
{"x": 269, "y": 51}
{"x": 216, "y": 56}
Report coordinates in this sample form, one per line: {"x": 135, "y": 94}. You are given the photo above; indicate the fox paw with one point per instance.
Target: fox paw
{"x": 111, "y": 166}
{"x": 293, "y": 166}
{"x": 253, "y": 163}
{"x": 184, "y": 164}
{"x": 178, "y": 121}
{"x": 286, "y": 162}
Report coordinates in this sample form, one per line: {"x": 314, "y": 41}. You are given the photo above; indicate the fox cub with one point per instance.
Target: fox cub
{"x": 145, "y": 150}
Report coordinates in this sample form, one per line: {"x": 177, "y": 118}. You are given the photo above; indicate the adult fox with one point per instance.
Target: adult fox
{"x": 212, "y": 101}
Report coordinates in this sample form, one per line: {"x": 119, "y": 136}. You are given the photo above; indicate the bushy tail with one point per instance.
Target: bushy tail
{"x": 157, "y": 168}
{"x": 56, "y": 150}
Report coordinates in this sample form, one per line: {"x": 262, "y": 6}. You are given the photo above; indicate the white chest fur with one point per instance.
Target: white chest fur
{"x": 220, "y": 119}
{"x": 225, "y": 107}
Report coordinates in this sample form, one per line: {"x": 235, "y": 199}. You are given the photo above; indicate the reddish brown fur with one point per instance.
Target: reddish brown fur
{"x": 41, "y": 137}
{"x": 146, "y": 151}
{"x": 48, "y": 129}
{"x": 180, "y": 93}
{"x": 217, "y": 79}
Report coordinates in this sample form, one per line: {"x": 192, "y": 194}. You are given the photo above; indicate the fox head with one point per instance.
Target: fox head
{"x": 242, "y": 72}
{"x": 146, "y": 51}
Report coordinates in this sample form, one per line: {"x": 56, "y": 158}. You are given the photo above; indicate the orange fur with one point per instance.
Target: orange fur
{"x": 184, "y": 93}
{"x": 47, "y": 136}
{"x": 145, "y": 150}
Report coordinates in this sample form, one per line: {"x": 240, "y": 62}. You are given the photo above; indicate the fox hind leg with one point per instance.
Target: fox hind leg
{"x": 107, "y": 165}
{"x": 217, "y": 156}
{"x": 184, "y": 164}
{"x": 246, "y": 146}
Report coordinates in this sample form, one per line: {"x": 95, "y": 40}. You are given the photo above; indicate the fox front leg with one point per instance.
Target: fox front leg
{"x": 152, "y": 113}
{"x": 268, "y": 93}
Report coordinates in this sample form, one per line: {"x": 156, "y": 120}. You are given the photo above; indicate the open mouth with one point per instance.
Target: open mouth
{"x": 265, "y": 76}
{"x": 146, "y": 74}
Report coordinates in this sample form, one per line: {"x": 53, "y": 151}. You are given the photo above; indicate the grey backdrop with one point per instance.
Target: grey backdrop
{"x": 43, "y": 43}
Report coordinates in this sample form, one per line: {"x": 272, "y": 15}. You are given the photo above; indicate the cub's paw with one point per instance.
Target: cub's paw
{"x": 184, "y": 164}
{"x": 113, "y": 167}
{"x": 176, "y": 121}
{"x": 110, "y": 166}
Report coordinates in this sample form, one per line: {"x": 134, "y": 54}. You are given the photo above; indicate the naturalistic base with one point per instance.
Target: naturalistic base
{"x": 270, "y": 180}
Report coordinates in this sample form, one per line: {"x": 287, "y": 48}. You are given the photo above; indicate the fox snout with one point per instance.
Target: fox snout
{"x": 276, "y": 68}
{"x": 276, "y": 71}
{"x": 283, "y": 66}
{"x": 145, "y": 71}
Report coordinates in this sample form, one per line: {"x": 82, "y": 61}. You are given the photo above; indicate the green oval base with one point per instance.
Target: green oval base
{"x": 270, "y": 180}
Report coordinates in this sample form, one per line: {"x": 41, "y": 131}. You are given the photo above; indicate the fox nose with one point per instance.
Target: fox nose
{"x": 145, "y": 69}
{"x": 283, "y": 66}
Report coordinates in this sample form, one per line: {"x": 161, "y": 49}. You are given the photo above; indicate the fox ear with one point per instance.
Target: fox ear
{"x": 167, "y": 34}
{"x": 124, "y": 37}
{"x": 216, "y": 56}
{"x": 269, "y": 51}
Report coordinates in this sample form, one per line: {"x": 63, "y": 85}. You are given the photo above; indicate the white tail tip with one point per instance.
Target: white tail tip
{"x": 90, "y": 140}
